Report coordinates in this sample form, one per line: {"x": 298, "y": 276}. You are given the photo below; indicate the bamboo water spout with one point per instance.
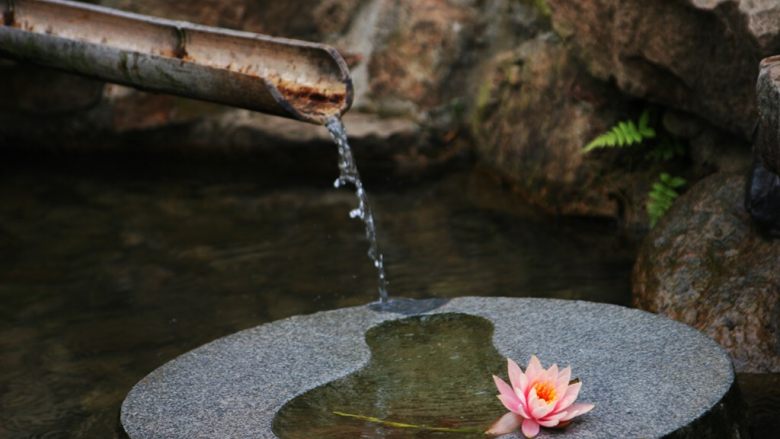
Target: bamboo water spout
{"x": 295, "y": 79}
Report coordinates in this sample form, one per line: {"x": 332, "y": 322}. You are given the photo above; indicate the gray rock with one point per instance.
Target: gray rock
{"x": 681, "y": 124}
{"x": 535, "y": 110}
{"x": 649, "y": 377}
{"x": 706, "y": 266}
{"x": 700, "y": 56}
{"x": 762, "y": 199}
{"x": 713, "y": 151}
{"x": 767, "y": 144}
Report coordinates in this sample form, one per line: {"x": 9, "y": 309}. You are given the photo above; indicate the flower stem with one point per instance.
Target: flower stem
{"x": 471, "y": 430}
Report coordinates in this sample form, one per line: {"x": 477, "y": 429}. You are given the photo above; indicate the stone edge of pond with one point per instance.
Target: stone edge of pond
{"x": 234, "y": 386}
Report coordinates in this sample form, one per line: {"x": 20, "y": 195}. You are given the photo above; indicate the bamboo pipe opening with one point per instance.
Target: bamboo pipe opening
{"x": 291, "y": 78}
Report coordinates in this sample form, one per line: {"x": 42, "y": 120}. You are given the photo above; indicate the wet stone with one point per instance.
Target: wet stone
{"x": 634, "y": 367}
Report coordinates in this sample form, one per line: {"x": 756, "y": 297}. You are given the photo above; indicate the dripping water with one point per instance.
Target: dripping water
{"x": 348, "y": 174}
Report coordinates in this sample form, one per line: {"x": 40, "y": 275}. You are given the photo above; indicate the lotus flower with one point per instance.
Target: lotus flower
{"x": 538, "y": 397}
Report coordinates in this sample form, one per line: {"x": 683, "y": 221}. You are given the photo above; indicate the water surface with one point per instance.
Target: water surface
{"x": 432, "y": 370}
{"x": 113, "y": 264}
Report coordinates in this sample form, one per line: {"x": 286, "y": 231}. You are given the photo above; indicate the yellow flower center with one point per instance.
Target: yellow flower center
{"x": 545, "y": 390}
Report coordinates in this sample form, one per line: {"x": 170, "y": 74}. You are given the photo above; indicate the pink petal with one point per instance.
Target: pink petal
{"x": 533, "y": 399}
{"x": 552, "y": 373}
{"x": 571, "y": 394}
{"x": 505, "y": 424}
{"x": 537, "y": 407}
{"x": 530, "y": 428}
{"x": 509, "y": 398}
{"x": 542, "y": 410}
{"x": 506, "y": 391}
{"x": 510, "y": 405}
{"x": 563, "y": 382}
{"x": 548, "y": 423}
{"x": 516, "y": 377}
{"x": 553, "y": 416}
{"x": 576, "y": 410}
{"x": 534, "y": 369}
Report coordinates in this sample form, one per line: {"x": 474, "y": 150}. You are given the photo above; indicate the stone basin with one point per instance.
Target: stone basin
{"x": 649, "y": 377}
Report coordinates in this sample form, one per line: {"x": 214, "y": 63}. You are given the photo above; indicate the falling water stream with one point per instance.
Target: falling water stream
{"x": 349, "y": 174}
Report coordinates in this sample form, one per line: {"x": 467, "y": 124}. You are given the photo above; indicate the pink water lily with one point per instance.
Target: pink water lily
{"x": 537, "y": 398}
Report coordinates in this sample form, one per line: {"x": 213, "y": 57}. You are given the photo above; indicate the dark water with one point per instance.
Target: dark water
{"x": 112, "y": 265}
{"x": 400, "y": 384}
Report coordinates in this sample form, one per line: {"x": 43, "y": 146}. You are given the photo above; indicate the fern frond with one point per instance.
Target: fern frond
{"x": 662, "y": 196}
{"x": 644, "y": 125}
{"x": 624, "y": 133}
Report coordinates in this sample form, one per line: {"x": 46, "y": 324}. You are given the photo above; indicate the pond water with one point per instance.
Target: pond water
{"x": 400, "y": 384}
{"x": 113, "y": 264}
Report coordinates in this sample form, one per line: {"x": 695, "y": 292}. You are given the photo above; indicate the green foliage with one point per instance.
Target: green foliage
{"x": 543, "y": 7}
{"x": 662, "y": 196}
{"x": 624, "y": 133}
{"x": 667, "y": 149}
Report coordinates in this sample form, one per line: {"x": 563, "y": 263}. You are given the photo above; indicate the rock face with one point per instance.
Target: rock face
{"x": 768, "y": 92}
{"x": 763, "y": 194}
{"x": 705, "y": 265}
{"x": 700, "y": 56}
{"x": 762, "y": 198}
{"x": 488, "y": 71}
{"x": 535, "y": 110}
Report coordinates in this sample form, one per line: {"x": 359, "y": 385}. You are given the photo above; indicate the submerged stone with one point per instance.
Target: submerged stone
{"x": 648, "y": 376}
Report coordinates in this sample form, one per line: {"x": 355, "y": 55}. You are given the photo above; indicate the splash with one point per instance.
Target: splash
{"x": 348, "y": 174}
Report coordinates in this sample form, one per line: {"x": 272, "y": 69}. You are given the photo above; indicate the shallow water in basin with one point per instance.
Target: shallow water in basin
{"x": 111, "y": 266}
{"x": 433, "y": 371}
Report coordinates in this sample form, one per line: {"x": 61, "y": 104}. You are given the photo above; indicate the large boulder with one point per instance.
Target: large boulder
{"x": 763, "y": 195}
{"x": 700, "y": 56}
{"x": 423, "y": 70}
{"x": 705, "y": 265}
{"x": 768, "y": 93}
{"x": 535, "y": 110}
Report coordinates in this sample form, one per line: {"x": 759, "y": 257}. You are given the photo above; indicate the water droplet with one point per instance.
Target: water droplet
{"x": 348, "y": 173}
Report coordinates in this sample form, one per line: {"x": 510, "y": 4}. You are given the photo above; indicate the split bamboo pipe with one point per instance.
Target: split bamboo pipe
{"x": 295, "y": 79}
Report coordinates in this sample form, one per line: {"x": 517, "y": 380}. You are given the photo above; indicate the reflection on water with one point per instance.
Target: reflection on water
{"x": 111, "y": 266}
{"x": 434, "y": 371}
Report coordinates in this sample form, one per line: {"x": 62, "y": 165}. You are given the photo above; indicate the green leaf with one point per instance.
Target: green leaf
{"x": 623, "y": 133}
{"x": 662, "y": 196}
{"x": 644, "y": 120}
{"x": 636, "y": 137}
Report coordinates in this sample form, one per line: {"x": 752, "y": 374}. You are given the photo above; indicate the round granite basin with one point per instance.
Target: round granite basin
{"x": 648, "y": 376}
